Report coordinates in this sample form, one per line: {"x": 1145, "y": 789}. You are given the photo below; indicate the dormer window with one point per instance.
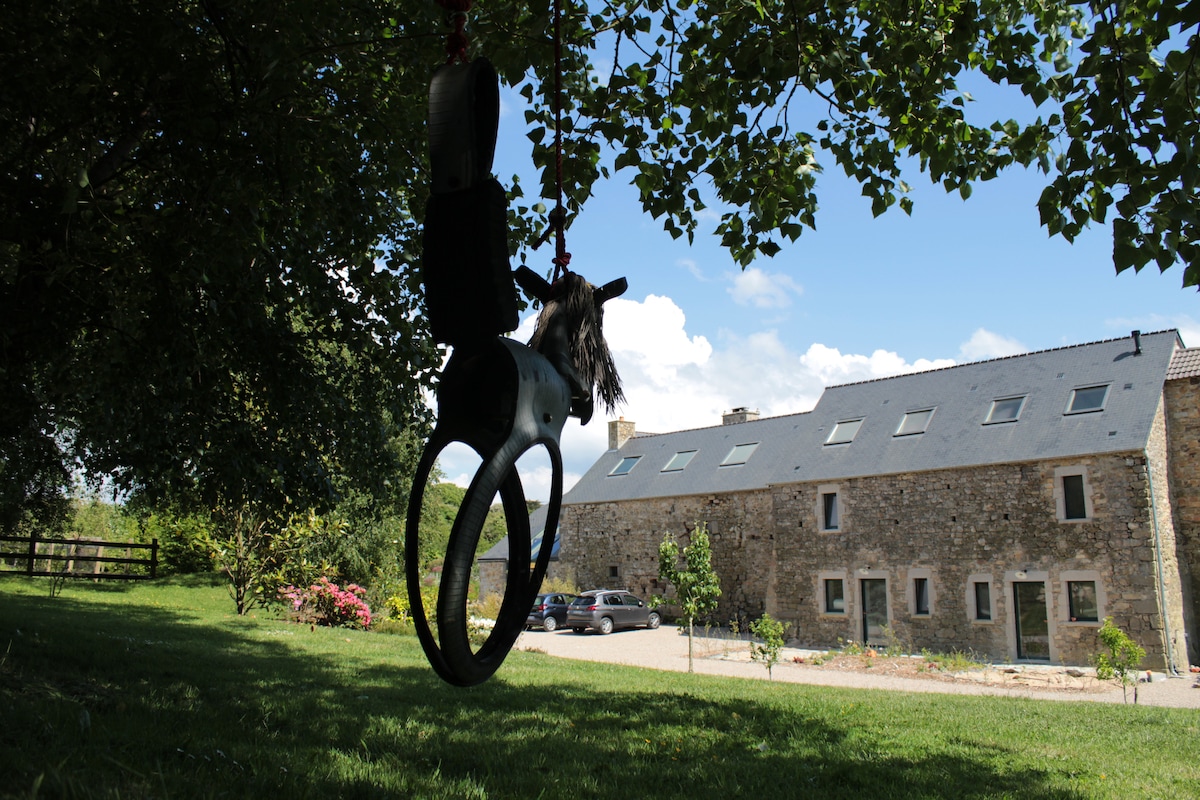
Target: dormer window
{"x": 914, "y": 422}
{"x": 844, "y": 431}
{"x": 679, "y": 461}
{"x": 1006, "y": 409}
{"x": 739, "y": 455}
{"x": 1086, "y": 399}
{"x": 627, "y": 463}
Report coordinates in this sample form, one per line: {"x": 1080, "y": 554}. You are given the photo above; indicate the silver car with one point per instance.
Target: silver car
{"x": 606, "y": 610}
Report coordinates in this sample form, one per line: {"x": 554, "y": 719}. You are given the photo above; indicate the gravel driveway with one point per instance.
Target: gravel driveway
{"x": 666, "y": 649}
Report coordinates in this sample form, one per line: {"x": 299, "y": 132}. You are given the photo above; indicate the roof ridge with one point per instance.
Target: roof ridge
{"x": 1000, "y": 358}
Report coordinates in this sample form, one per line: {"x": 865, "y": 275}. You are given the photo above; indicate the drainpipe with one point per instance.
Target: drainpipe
{"x": 1162, "y": 603}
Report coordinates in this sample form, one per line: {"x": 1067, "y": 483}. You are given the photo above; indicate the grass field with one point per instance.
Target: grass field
{"x": 159, "y": 690}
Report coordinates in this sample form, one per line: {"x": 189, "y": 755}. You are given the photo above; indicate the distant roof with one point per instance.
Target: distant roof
{"x": 537, "y": 524}
{"x": 956, "y": 433}
{"x": 1185, "y": 364}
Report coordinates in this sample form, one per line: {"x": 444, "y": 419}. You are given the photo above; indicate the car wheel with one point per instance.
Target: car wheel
{"x": 606, "y": 625}
{"x": 550, "y": 624}
{"x": 653, "y": 620}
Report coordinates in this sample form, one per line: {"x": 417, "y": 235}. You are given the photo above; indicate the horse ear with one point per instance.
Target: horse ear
{"x": 610, "y": 290}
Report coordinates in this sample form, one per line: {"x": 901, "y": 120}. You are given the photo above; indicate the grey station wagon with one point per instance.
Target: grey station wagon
{"x": 606, "y": 610}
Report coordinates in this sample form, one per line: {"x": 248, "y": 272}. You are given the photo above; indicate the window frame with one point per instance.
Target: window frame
{"x": 915, "y": 578}
{"x": 990, "y": 418}
{"x": 847, "y": 439}
{"x": 617, "y": 472}
{"x": 900, "y": 432}
{"x": 680, "y": 468}
{"x": 1060, "y": 494}
{"x": 726, "y": 462}
{"x": 1071, "y": 409}
{"x": 830, "y": 518}
{"x": 825, "y": 580}
{"x": 973, "y": 583}
{"x": 1069, "y": 578}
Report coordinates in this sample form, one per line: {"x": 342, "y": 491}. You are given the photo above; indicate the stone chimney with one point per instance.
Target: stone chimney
{"x": 741, "y": 414}
{"x": 620, "y": 432}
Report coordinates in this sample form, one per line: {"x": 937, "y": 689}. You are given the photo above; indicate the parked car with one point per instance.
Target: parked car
{"x": 606, "y": 610}
{"x": 549, "y": 611}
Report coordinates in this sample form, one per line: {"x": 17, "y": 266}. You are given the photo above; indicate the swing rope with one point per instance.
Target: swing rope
{"x": 456, "y": 41}
{"x": 558, "y": 219}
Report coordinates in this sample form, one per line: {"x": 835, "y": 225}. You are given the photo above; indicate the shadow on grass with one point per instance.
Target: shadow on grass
{"x": 108, "y": 700}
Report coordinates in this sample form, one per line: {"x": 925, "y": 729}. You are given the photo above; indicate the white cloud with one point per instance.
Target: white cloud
{"x": 692, "y": 267}
{"x": 753, "y": 287}
{"x": 984, "y": 344}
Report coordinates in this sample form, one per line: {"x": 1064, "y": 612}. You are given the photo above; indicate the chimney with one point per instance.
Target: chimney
{"x": 740, "y": 414}
{"x": 620, "y": 432}
{"x": 1137, "y": 343}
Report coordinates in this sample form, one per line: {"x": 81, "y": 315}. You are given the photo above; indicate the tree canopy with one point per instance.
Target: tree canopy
{"x": 209, "y": 210}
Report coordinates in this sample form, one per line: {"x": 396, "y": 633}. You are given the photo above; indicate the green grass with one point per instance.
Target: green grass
{"x": 159, "y": 690}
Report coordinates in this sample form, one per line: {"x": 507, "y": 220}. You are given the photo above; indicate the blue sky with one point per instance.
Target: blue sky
{"x": 858, "y": 298}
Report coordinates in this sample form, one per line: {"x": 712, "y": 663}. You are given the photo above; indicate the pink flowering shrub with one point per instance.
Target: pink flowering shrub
{"x": 326, "y": 603}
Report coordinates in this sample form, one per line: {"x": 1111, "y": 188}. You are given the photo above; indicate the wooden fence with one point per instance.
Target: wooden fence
{"x": 77, "y": 558}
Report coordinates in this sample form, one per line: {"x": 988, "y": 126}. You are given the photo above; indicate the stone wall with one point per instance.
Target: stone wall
{"x": 1182, "y": 400}
{"x": 995, "y": 524}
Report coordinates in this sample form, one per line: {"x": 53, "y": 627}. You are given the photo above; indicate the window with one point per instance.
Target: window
{"x": 1074, "y": 506}
{"x": 983, "y": 600}
{"x": 914, "y": 422}
{"x": 739, "y": 455}
{"x": 829, "y": 511}
{"x": 679, "y": 461}
{"x": 1090, "y": 398}
{"x": 921, "y": 597}
{"x": 614, "y": 572}
{"x": 627, "y": 463}
{"x": 1006, "y": 409}
{"x": 1072, "y": 494}
{"x": 835, "y": 597}
{"x": 843, "y": 432}
{"x": 1081, "y": 598}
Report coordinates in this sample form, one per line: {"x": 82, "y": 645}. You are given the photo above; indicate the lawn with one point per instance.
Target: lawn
{"x": 159, "y": 690}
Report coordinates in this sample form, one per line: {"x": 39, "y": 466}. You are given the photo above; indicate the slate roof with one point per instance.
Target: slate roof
{"x": 537, "y": 524}
{"x": 792, "y": 448}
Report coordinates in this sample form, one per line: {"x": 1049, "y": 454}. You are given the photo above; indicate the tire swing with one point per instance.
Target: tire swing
{"x": 497, "y": 396}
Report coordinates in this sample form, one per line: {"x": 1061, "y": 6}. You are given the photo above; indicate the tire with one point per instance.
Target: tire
{"x": 653, "y": 621}
{"x": 550, "y": 624}
{"x": 606, "y": 625}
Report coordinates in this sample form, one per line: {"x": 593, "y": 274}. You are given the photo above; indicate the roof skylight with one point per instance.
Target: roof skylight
{"x": 1088, "y": 398}
{"x": 844, "y": 431}
{"x": 679, "y": 461}
{"x": 626, "y": 464}
{"x": 739, "y": 454}
{"x": 1006, "y": 409}
{"x": 914, "y": 422}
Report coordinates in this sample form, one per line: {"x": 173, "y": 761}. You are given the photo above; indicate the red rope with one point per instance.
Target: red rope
{"x": 456, "y": 41}
{"x": 562, "y": 259}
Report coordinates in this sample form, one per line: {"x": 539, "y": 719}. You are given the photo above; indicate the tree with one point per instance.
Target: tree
{"x": 209, "y": 215}
{"x": 1121, "y": 661}
{"x": 748, "y": 97}
{"x": 697, "y": 587}
{"x": 770, "y": 630}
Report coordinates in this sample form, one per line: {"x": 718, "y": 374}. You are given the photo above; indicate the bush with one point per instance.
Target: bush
{"x": 326, "y": 603}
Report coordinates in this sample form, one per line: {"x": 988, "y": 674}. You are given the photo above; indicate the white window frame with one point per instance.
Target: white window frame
{"x": 690, "y": 455}
{"x": 1021, "y": 398}
{"x": 1092, "y": 409}
{"x": 1069, "y": 576}
{"x": 900, "y": 432}
{"x": 632, "y": 461}
{"x": 1060, "y": 495}
{"x": 927, "y": 576}
{"x": 972, "y": 609}
{"x": 753, "y": 447}
{"x": 845, "y": 439}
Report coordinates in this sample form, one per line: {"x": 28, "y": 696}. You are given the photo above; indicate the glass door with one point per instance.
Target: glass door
{"x": 874, "y": 609}
{"x": 1033, "y": 627}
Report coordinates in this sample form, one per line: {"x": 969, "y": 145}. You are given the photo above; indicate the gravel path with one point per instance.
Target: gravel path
{"x": 666, "y": 649}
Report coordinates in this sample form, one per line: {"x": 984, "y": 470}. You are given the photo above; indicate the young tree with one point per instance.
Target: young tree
{"x": 697, "y": 587}
{"x": 1121, "y": 661}
{"x": 770, "y": 630}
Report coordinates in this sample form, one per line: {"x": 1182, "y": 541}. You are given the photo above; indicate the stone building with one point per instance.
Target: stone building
{"x": 1004, "y": 507}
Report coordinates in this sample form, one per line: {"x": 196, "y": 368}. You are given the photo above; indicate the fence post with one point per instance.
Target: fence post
{"x": 153, "y": 558}
{"x": 32, "y": 552}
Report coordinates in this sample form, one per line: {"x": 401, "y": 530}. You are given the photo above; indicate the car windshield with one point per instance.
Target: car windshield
{"x": 583, "y": 601}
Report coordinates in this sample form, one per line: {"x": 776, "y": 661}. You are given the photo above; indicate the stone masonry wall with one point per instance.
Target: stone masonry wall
{"x": 1166, "y": 545}
{"x": 1182, "y": 400}
{"x": 998, "y": 524}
